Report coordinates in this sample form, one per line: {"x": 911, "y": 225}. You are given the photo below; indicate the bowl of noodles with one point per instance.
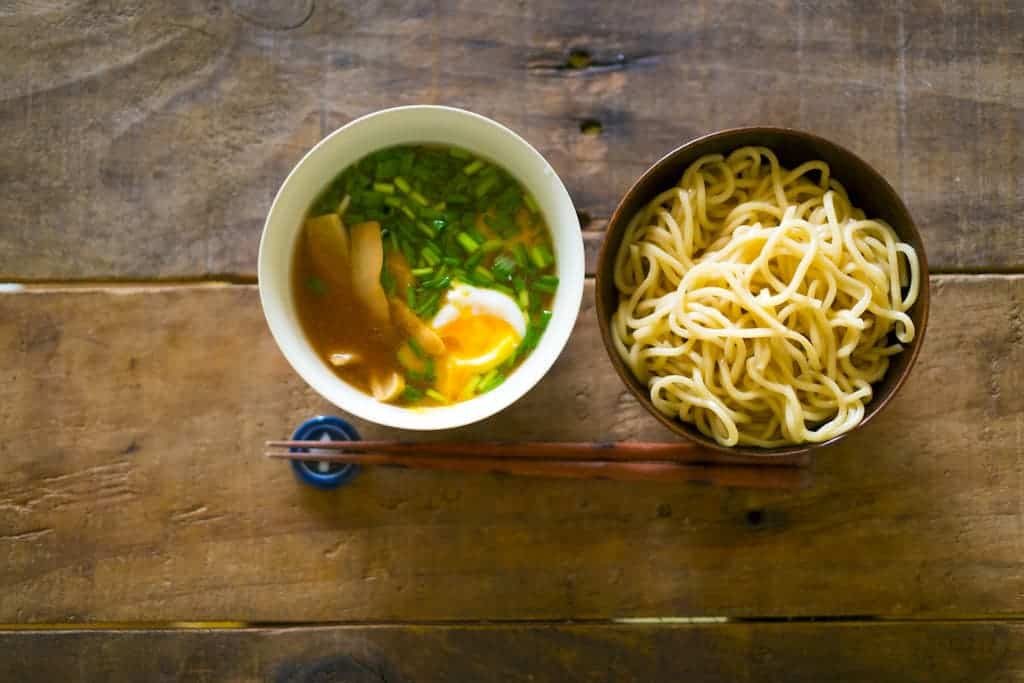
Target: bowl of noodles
{"x": 762, "y": 291}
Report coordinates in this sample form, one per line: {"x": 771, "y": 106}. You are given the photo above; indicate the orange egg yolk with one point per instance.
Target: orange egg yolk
{"x": 475, "y": 344}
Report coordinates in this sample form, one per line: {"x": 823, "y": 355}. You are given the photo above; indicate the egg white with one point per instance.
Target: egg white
{"x": 463, "y": 298}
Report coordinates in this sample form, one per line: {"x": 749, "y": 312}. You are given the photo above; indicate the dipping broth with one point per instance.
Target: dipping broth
{"x": 424, "y": 275}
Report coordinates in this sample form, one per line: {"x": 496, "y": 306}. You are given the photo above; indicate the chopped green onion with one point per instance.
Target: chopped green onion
{"x": 503, "y": 266}
{"x": 426, "y": 229}
{"x": 408, "y": 212}
{"x": 427, "y": 306}
{"x": 485, "y": 186}
{"x": 458, "y": 153}
{"x": 507, "y": 291}
{"x": 502, "y": 222}
{"x": 451, "y": 260}
{"x": 408, "y": 253}
{"x": 429, "y": 256}
{"x": 531, "y": 338}
{"x": 371, "y": 200}
{"x": 416, "y": 348}
{"x": 471, "y": 168}
{"x": 467, "y": 242}
{"x": 409, "y": 364}
{"x": 437, "y": 396}
{"x": 492, "y": 245}
{"x": 541, "y": 257}
{"x": 473, "y": 261}
{"x": 387, "y": 168}
{"x": 470, "y": 388}
{"x": 491, "y": 374}
{"x": 428, "y": 213}
{"x": 421, "y": 272}
{"x": 490, "y": 381}
{"x": 411, "y": 394}
{"x": 440, "y": 206}
{"x": 384, "y": 188}
{"x": 483, "y": 274}
{"x": 547, "y": 283}
{"x": 343, "y": 205}
{"x": 524, "y": 299}
{"x": 438, "y": 283}
{"x": 403, "y": 184}
{"x": 531, "y": 203}
{"x": 418, "y": 198}
{"x": 393, "y": 202}
{"x": 439, "y": 224}
{"x": 410, "y": 297}
{"x": 519, "y": 251}
{"x": 407, "y": 159}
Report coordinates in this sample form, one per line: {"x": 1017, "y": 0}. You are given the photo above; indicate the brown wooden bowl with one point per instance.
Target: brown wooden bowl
{"x": 868, "y": 190}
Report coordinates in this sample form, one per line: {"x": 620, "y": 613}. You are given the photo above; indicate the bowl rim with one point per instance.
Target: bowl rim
{"x": 570, "y": 260}
{"x": 606, "y": 257}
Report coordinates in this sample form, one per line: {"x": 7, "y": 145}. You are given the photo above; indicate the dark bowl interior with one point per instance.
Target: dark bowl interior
{"x": 868, "y": 190}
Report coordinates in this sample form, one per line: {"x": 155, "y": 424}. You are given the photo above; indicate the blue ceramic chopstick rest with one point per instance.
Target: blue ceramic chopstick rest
{"x": 322, "y": 474}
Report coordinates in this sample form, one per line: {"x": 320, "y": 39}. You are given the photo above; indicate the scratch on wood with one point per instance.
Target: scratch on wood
{"x": 194, "y": 515}
{"x": 186, "y": 514}
{"x": 193, "y": 29}
{"x": 1016, "y": 325}
{"x": 32, "y": 534}
{"x": 108, "y": 483}
{"x": 116, "y": 470}
{"x": 546, "y": 64}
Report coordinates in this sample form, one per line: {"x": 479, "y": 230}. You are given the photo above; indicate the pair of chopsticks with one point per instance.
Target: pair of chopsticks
{"x": 621, "y": 461}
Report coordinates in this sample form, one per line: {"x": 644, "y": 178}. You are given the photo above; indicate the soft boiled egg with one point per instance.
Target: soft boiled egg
{"x": 481, "y": 329}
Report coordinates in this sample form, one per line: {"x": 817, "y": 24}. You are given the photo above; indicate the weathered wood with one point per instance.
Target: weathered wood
{"x": 147, "y": 140}
{"x": 132, "y": 486}
{"x": 980, "y": 652}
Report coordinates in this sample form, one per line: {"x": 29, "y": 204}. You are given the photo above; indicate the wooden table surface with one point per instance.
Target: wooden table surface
{"x": 143, "y": 536}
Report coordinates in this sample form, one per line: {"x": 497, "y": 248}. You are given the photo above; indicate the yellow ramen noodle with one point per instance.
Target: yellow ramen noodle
{"x": 758, "y": 304}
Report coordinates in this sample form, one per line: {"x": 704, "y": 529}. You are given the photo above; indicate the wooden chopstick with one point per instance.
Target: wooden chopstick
{"x": 626, "y": 461}
{"x": 628, "y": 451}
{"x": 746, "y": 476}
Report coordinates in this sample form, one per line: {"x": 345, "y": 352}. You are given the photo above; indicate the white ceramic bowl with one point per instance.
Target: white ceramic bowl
{"x": 405, "y": 125}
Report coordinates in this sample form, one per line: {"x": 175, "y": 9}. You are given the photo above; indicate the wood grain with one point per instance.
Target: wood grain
{"x": 980, "y": 652}
{"x": 132, "y": 486}
{"x": 147, "y": 139}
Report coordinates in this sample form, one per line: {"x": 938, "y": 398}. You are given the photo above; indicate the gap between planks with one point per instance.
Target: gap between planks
{"x": 500, "y": 623}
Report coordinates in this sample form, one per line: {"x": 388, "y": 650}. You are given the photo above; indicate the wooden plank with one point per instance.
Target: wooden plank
{"x": 980, "y": 652}
{"x": 148, "y": 142}
{"x": 132, "y": 486}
